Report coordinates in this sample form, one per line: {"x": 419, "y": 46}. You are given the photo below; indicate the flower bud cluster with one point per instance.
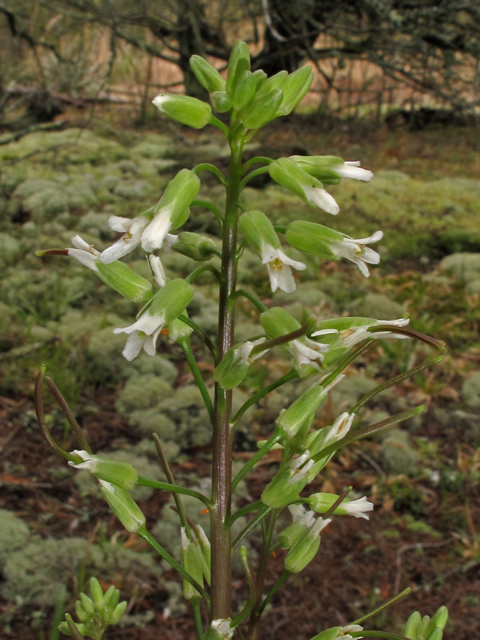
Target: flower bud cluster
{"x": 97, "y": 613}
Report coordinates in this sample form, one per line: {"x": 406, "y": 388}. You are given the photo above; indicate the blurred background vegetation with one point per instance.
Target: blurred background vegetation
{"x": 396, "y": 86}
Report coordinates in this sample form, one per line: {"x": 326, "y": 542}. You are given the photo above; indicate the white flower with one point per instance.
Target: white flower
{"x": 299, "y": 467}
{"x": 318, "y": 197}
{"x": 132, "y": 234}
{"x": 84, "y": 253}
{"x": 142, "y": 333}
{"x": 358, "y": 508}
{"x": 158, "y": 271}
{"x": 222, "y": 627}
{"x": 357, "y": 252}
{"x": 345, "y": 635}
{"x": 302, "y": 515}
{"x": 154, "y": 235}
{"x": 242, "y": 354}
{"x": 278, "y": 266}
{"x": 308, "y": 352}
{"x": 353, "y": 170}
{"x": 352, "y": 336}
{"x": 340, "y": 427}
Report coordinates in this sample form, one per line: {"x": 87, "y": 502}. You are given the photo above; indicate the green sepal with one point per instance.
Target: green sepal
{"x": 262, "y": 110}
{"x": 312, "y": 238}
{"x": 422, "y": 628}
{"x": 194, "y": 246}
{"x": 177, "y": 329}
{"x": 287, "y": 174}
{"x": 233, "y": 368}
{"x": 207, "y": 75}
{"x": 172, "y": 299}
{"x": 302, "y": 553}
{"x": 193, "y": 563}
{"x": 125, "y": 281}
{"x": 273, "y": 83}
{"x": 291, "y": 420}
{"x": 292, "y": 534}
{"x": 118, "y": 612}
{"x": 244, "y": 90}
{"x": 87, "y": 603}
{"x": 258, "y": 231}
{"x": 124, "y": 507}
{"x": 97, "y": 594}
{"x": 329, "y": 634}
{"x": 277, "y": 322}
{"x": 321, "y": 167}
{"x": 184, "y": 109}
{"x": 180, "y": 192}
{"x": 82, "y": 615}
{"x": 121, "y": 474}
{"x": 284, "y": 488}
{"x": 295, "y": 89}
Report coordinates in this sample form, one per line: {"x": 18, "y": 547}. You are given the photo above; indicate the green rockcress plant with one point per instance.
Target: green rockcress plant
{"x": 320, "y": 350}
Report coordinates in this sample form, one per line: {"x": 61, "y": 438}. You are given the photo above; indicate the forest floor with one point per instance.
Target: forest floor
{"x": 55, "y": 529}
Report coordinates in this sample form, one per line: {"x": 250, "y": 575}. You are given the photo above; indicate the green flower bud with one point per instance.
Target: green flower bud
{"x": 97, "y": 594}
{"x": 207, "y": 75}
{"x": 286, "y": 172}
{"x": 238, "y": 63}
{"x": 111, "y": 598}
{"x": 71, "y": 628}
{"x": 260, "y": 77}
{"x": 277, "y": 322}
{"x": 438, "y": 621}
{"x": 244, "y": 90}
{"x": 412, "y": 625}
{"x": 262, "y": 110}
{"x": 123, "y": 506}
{"x": 274, "y": 83}
{"x": 422, "y": 628}
{"x": 291, "y": 420}
{"x": 235, "y": 364}
{"x": 193, "y": 563}
{"x": 118, "y": 612}
{"x": 171, "y": 300}
{"x": 437, "y": 634}
{"x": 222, "y": 102}
{"x": 184, "y": 109}
{"x": 121, "y": 474}
{"x": 125, "y": 281}
{"x": 303, "y": 552}
{"x": 194, "y": 246}
{"x": 295, "y": 89}
{"x": 87, "y": 604}
{"x": 206, "y": 550}
{"x": 82, "y": 615}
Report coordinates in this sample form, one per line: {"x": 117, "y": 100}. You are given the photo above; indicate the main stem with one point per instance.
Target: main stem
{"x": 222, "y": 433}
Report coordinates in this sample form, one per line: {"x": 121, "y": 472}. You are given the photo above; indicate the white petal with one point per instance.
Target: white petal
{"x": 299, "y": 266}
{"x": 321, "y": 198}
{"x": 106, "y": 485}
{"x": 158, "y": 270}
{"x": 84, "y": 257}
{"x": 154, "y": 234}
{"x": 119, "y": 224}
{"x": 170, "y": 240}
{"x": 375, "y": 237}
{"x": 146, "y": 323}
{"x": 370, "y": 256}
{"x": 160, "y": 99}
{"x": 319, "y": 525}
{"x": 353, "y": 170}
{"x": 117, "y": 250}
{"x": 281, "y": 278}
{"x": 79, "y": 243}
{"x": 362, "y": 266}
{"x": 268, "y": 253}
{"x": 150, "y": 344}
{"x": 133, "y": 346}
{"x": 324, "y": 332}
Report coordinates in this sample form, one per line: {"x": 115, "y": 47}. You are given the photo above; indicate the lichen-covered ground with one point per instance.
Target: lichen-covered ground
{"x": 55, "y": 529}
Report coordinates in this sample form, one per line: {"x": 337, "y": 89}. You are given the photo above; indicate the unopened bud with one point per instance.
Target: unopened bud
{"x": 412, "y": 625}
{"x": 123, "y": 506}
{"x": 262, "y": 110}
{"x": 235, "y": 364}
{"x": 207, "y": 75}
{"x": 194, "y": 246}
{"x": 303, "y": 552}
{"x": 184, "y": 109}
{"x": 244, "y": 90}
{"x": 295, "y": 89}
{"x": 238, "y": 63}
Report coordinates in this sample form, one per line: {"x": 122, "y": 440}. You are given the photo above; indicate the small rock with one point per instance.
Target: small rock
{"x": 398, "y": 456}
{"x": 376, "y": 305}
{"x": 471, "y": 391}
